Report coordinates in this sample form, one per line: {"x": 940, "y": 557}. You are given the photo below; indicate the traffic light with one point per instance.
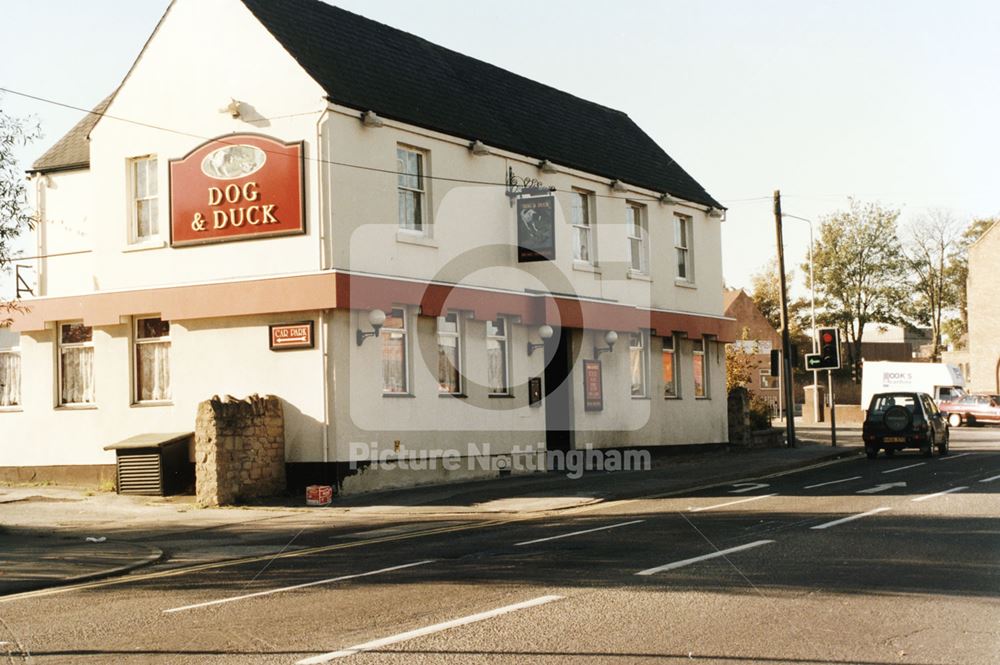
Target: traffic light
{"x": 829, "y": 349}
{"x": 775, "y": 362}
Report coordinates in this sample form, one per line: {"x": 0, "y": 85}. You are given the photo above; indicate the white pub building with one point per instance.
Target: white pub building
{"x": 416, "y": 251}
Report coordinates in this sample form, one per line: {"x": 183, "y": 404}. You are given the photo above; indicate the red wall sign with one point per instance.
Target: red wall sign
{"x": 292, "y": 336}
{"x": 593, "y": 386}
{"x": 237, "y": 187}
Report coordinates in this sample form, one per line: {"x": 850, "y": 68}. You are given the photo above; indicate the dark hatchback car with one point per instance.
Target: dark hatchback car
{"x": 972, "y": 410}
{"x": 904, "y": 420}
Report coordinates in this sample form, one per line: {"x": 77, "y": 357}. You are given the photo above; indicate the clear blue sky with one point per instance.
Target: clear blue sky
{"x": 895, "y": 101}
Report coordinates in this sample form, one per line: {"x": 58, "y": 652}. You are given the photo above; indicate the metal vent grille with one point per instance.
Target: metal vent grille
{"x": 140, "y": 474}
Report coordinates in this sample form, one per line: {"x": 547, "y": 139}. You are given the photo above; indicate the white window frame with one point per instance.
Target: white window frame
{"x": 135, "y": 197}
{"x": 582, "y": 221}
{"x": 459, "y": 351}
{"x": 137, "y": 342}
{"x": 13, "y": 352}
{"x": 421, "y": 193}
{"x": 635, "y": 220}
{"x": 643, "y": 348}
{"x": 672, "y": 350}
{"x": 504, "y": 340}
{"x": 765, "y": 379}
{"x": 384, "y": 335}
{"x": 684, "y": 247}
{"x": 61, "y": 347}
{"x": 706, "y": 389}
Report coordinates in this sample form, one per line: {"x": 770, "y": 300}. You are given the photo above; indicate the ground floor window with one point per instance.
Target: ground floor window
{"x": 394, "y": 373}
{"x": 10, "y": 377}
{"x": 497, "y": 354}
{"x": 669, "y": 364}
{"x": 449, "y": 354}
{"x": 152, "y": 360}
{"x": 76, "y": 364}
{"x": 699, "y": 368}
{"x": 637, "y": 363}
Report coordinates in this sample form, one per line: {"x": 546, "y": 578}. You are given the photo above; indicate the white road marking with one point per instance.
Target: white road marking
{"x": 731, "y": 503}
{"x": 832, "y": 482}
{"x": 577, "y": 533}
{"x": 931, "y": 496}
{"x": 842, "y": 520}
{"x": 297, "y": 586}
{"x": 881, "y": 488}
{"x": 903, "y": 468}
{"x": 704, "y": 557}
{"x": 989, "y": 480}
{"x": 748, "y": 487}
{"x": 428, "y": 630}
{"x": 948, "y": 457}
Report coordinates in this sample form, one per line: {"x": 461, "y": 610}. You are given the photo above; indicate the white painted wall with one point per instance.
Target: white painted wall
{"x": 64, "y": 201}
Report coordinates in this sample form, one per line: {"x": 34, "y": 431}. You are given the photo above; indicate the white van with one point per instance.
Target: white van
{"x": 941, "y": 381}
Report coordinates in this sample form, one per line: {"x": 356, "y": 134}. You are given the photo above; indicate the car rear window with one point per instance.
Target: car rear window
{"x": 882, "y": 403}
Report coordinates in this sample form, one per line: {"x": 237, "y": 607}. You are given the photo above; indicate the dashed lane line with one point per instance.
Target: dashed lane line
{"x": 843, "y": 520}
{"x": 904, "y": 468}
{"x": 941, "y": 493}
{"x": 732, "y": 503}
{"x": 705, "y": 557}
{"x": 577, "y": 533}
{"x": 832, "y": 482}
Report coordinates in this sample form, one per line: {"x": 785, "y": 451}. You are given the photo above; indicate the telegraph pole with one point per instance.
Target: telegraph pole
{"x": 786, "y": 365}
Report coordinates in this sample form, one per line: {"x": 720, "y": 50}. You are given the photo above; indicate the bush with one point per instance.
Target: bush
{"x": 760, "y": 413}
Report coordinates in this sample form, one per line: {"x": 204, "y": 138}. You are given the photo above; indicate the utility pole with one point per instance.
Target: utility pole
{"x": 786, "y": 365}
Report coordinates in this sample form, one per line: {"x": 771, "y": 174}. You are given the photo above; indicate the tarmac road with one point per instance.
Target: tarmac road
{"x": 885, "y": 561}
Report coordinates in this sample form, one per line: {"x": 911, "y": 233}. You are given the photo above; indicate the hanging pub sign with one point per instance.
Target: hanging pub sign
{"x": 536, "y": 237}
{"x": 593, "y": 386}
{"x": 237, "y": 187}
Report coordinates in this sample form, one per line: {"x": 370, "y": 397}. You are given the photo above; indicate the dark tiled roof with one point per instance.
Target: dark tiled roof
{"x": 73, "y": 149}
{"x": 366, "y": 65}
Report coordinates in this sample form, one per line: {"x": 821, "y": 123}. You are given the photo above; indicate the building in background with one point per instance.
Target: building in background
{"x": 756, "y": 336}
{"x": 984, "y": 314}
{"x": 415, "y": 250}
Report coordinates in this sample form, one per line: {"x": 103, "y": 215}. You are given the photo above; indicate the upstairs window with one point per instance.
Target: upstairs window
{"x": 682, "y": 246}
{"x": 152, "y": 360}
{"x": 635, "y": 225}
{"x": 76, "y": 364}
{"x": 582, "y": 229}
{"x": 410, "y": 185}
{"x": 10, "y": 377}
{"x": 145, "y": 199}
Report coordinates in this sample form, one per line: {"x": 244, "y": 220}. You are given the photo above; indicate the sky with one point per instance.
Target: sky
{"x": 882, "y": 100}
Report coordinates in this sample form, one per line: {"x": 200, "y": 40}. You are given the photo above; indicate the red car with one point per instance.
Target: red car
{"x": 972, "y": 409}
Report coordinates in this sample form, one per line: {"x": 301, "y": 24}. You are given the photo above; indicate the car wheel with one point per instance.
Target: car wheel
{"x": 889, "y": 452}
{"x": 871, "y": 452}
{"x": 943, "y": 448}
{"x": 927, "y": 449}
{"x": 955, "y": 420}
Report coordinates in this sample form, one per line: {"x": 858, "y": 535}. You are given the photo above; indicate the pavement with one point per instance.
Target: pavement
{"x": 52, "y": 536}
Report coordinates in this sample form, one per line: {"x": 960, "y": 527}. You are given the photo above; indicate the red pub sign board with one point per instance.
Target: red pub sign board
{"x": 237, "y": 187}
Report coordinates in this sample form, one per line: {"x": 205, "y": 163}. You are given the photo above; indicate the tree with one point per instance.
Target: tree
{"x": 740, "y": 363}
{"x": 15, "y": 216}
{"x": 958, "y": 274}
{"x": 765, "y": 293}
{"x": 860, "y": 273}
{"x": 932, "y": 241}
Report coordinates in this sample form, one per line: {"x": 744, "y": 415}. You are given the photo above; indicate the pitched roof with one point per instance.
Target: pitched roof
{"x": 729, "y": 296}
{"x": 72, "y": 151}
{"x": 367, "y": 65}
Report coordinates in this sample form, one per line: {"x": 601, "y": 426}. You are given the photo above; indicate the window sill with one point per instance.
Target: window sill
{"x": 704, "y": 398}
{"x": 641, "y": 276}
{"x": 640, "y": 397}
{"x": 453, "y": 395}
{"x": 415, "y": 238}
{"x": 501, "y": 396}
{"x": 76, "y": 407}
{"x": 586, "y": 266}
{"x": 11, "y": 409}
{"x": 145, "y": 245}
{"x": 398, "y": 395}
{"x": 675, "y": 397}
{"x": 143, "y": 405}
{"x": 685, "y": 283}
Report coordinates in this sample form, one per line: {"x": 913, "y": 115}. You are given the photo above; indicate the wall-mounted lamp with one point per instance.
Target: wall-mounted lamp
{"x": 545, "y": 332}
{"x": 619, "y": 186}
{"x": 479, "y": 148}
{"x": 666, "y": 199}
{"x": 232, "y": 108}
{"x": 371, "y": 119}
{"x": 610, "y": 338}
{"x": 376, "y": 318}
{"x": 547, "y": 167}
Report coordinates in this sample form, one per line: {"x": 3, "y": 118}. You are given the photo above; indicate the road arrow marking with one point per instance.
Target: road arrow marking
{"x": 748, "y": 487}
{"x": 881, "y": 488}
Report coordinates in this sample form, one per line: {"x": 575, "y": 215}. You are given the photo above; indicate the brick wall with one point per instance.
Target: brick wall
{"x": 239, "y": 449}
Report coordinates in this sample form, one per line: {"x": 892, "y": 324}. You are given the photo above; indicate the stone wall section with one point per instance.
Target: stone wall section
{"x": 239, "y": 449}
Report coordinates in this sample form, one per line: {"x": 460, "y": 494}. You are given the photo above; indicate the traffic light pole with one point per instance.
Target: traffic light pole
{"x": 786, "y": 365}
{"x": 833, "y": 409}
